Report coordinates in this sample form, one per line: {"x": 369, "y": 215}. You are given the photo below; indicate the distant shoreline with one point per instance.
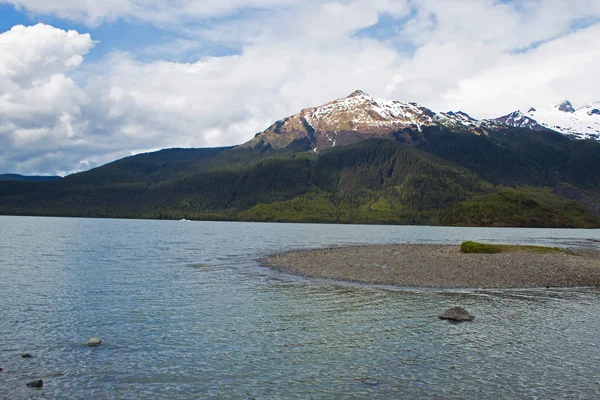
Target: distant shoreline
{"x": 441, "y": 266}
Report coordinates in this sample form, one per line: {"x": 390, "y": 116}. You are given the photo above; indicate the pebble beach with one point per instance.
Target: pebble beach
{"x": 442, "y": 266}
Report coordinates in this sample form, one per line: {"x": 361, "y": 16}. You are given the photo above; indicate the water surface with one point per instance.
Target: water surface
{"x": 185, "y": 311}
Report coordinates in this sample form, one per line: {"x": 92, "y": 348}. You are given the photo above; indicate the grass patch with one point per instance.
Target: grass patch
{"x": 475, "y": 247}
{"x": 483, "y": 248}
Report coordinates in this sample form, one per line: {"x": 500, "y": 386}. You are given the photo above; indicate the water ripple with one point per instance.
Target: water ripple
{"x": 184, "y": 311}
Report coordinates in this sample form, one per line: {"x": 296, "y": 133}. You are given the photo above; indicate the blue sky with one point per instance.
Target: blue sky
{"x": 138, "y": 37}
{"x": 119, "y": 35}
{"x": 84, "y": 83}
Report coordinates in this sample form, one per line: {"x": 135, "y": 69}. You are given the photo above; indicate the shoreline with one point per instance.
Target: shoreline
{"x": 441, "y": 266}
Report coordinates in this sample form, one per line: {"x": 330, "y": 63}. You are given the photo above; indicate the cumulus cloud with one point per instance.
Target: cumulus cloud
{"x": 482, "y": 56}
{"x": 33, "y": 54}
{"x": 39, "y": 103}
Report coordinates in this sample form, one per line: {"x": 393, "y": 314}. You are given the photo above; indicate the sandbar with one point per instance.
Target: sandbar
{"x": 442, "y": 266}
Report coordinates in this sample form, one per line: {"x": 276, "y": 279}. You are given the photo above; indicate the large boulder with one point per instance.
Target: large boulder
{"x": 456, "y": 314}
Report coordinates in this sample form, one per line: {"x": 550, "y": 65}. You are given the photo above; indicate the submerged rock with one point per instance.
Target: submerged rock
{"x": 36, "y": 384}
{"x": 93, "y": 342}
{"x": 456, "y": 314}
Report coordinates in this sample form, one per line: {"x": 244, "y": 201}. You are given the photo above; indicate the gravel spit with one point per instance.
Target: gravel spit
{"x": 442, "y": 266}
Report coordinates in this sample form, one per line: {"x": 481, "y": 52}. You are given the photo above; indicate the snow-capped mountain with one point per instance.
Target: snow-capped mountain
{"x": 355, "y": 118}
{"x": 582, "y": 123}
{"x": 360, "y": 116}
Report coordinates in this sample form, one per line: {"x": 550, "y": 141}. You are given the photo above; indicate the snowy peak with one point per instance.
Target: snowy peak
{"x": 357, "y": 93}
{"x": 361, "y": 112}
{"x": 519, "y": 119}
{"x": 356, "y": 117}
{"x": 581, "y": 123}
{"x": 360, "y": 116}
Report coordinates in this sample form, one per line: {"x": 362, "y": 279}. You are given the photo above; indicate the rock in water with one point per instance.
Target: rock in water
{"x": 36, "y": 384}
{"x": 93, "y": 342}
{"x": 456, "y": 314}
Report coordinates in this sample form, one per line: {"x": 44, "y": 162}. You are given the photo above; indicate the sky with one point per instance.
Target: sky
{"x": 86, "y": 82}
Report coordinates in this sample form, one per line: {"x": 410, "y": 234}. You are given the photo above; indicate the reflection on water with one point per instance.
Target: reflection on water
{"x": 184, "y": 311}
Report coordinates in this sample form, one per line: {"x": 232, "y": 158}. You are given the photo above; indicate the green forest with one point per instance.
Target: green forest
{"x": 508, "y": 178}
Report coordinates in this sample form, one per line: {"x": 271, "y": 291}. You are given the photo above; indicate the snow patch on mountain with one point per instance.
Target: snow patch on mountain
{"x": 360, "y": 116}
{"x": 361, "y": 112}
{"x": 581, "y": 123}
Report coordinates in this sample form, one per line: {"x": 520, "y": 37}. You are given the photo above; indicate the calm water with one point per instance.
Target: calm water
{"x": 184, "y": 311}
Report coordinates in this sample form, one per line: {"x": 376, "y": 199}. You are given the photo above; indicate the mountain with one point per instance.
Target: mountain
{"x": 16, "y": 177}
{"x": 355, "y": 118}
{"x": 360, "y": 116}
{"x": 582, "y": 123}
{"x": 354, "y": 160}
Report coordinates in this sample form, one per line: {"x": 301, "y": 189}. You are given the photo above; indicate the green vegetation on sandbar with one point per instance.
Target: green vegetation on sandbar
{"x": 484, "y": 248}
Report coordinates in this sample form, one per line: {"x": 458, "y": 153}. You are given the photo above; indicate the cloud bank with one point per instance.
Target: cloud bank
{"x": 59, "y": 113}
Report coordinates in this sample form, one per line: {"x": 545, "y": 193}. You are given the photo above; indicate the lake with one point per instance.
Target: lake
{"x": 185, "y": 312}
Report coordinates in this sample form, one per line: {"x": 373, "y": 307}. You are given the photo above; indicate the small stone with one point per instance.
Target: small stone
{"x": 456, "y": 314}
{"x": 36, "y": 384}
{"x": 93, "y": 342}
{"x": 26, "y": 355}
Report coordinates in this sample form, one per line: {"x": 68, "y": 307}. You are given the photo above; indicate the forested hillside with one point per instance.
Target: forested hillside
{"x": 441, "y": 177}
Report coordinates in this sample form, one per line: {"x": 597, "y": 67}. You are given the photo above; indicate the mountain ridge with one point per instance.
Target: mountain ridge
{"x": 356, "y": 117}
{"x": 359, "y": 116}
{"x": 576, "y": 123}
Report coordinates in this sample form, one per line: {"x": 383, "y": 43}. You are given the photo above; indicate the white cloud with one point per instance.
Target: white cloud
{"x": 503, "y": 25}
{"x": 33, "y": 54}
{"x": 482, "y": 56}
{"x": 46, "y": 99}
{"x": 39, "y": 103}
{"x": 185, "y": 104}
{"x": 547, "y": 75}
{"x": 462, "y": 42}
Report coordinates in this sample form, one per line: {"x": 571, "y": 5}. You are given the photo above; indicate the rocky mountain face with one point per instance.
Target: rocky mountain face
{"x": 359, "y": 116}
{"x": 578, "y": 195}
{"x": 355, "y": 118}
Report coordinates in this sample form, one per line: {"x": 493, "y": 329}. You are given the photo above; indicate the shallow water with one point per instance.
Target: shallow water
{"x": 185, "y": 311}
